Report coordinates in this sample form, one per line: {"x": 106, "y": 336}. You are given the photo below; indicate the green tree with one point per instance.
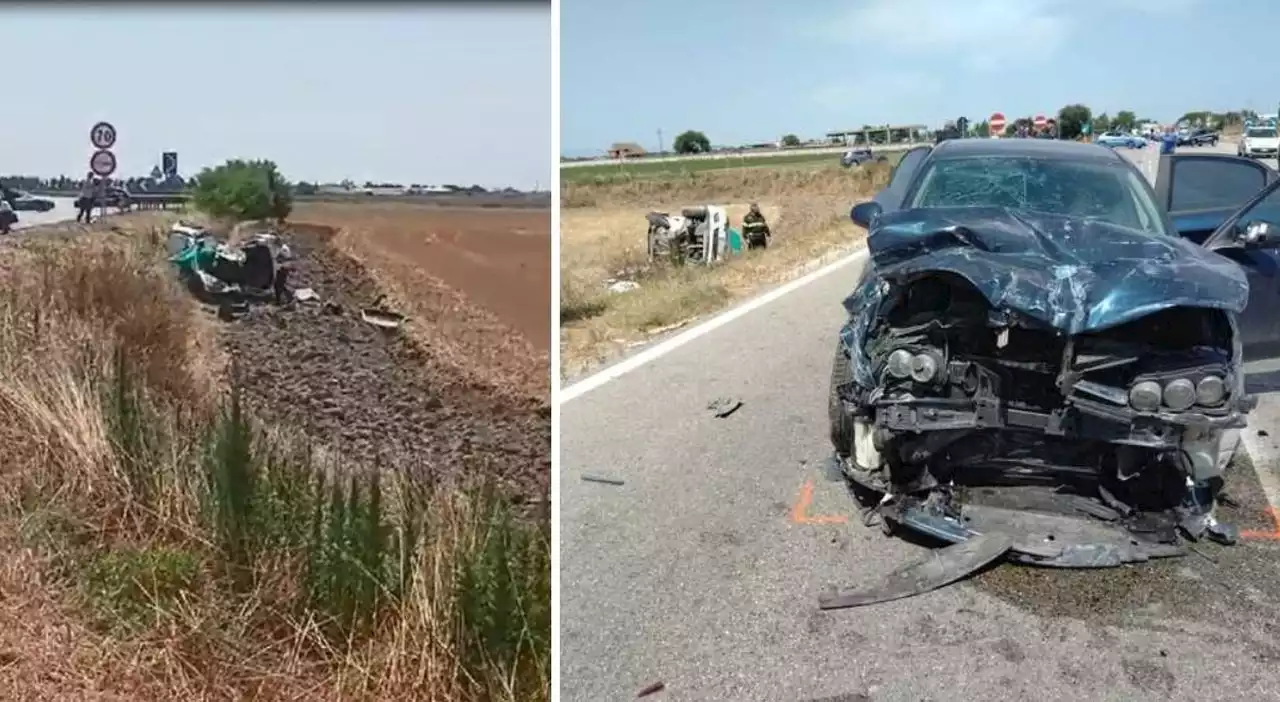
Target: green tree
{"x": 305, "y": 188}
{"x": 243, "y": 190}
{"x": 1125, "y": 120}
{"x": 691, "y": 142}
{"x": 1102, "y": 123}
{"x": 790, "y": 140}
{"x": 1071, "y": 121}
{"x": 980, "y": 130}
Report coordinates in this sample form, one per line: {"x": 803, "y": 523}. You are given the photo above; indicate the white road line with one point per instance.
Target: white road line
{"x": 657, "y": 351}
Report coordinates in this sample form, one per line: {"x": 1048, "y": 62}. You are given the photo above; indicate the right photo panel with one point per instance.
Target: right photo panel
{"x": 916, "y": 350}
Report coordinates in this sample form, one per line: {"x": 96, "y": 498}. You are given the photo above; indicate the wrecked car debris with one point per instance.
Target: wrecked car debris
{"x": 697, "y": 235}
{"x": 215, "y": 270}
{"x": 379, "y": 316}
{"x": 621, "y": 286}
{"x": 937, "y": 568}
{"x": 1034, "y": 352}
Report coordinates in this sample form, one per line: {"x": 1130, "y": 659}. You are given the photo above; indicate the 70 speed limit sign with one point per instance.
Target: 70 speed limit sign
{"x": 103, "y": 135}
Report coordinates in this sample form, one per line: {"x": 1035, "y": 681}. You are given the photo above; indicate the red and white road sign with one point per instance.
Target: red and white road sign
{"x": 1041, "y": 122}
{"x": 995, "y": 123}
{"x": 102, "y": 135}
{"x": 102, "y": 163}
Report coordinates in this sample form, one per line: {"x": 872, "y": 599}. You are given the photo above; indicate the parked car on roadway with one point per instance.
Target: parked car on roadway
{"x": 1034, "y": 314}
{"x": 26, "y": 202}
{"x": 1198, "y": 137}
{"x": 1114, "y": 139}
{"x": 1259, "y": 142}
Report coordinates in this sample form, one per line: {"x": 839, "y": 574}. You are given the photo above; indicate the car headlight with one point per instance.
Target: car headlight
{"x": 1211, "y": 391}
{"x": 923, "y": 368}
{"x": 1145, "y": 396}
{"x": 899, "y": 363}
{"x": 1179, "y": 394}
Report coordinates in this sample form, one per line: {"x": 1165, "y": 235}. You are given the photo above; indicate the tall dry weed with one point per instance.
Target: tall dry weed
{"x": 218, "y": 557}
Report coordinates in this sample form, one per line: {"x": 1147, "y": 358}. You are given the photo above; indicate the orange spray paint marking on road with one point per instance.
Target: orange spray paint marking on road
{"x": 1273, "y": 535}
{"x": 800, "y": 511}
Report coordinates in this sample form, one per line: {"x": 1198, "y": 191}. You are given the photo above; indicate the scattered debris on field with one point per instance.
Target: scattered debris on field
{"x": 379, "y": 316}
{"x": 621, "y": 286}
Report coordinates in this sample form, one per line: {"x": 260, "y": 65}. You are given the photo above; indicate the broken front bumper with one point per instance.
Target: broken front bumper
{"x": 1078, "y": 418}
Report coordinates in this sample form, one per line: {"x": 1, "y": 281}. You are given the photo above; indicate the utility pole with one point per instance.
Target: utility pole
{"x": 660, "y": 148}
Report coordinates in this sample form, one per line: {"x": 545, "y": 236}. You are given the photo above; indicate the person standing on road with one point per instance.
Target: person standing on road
{"x": 1168, "y": 142}
{"x": 755, "y": 229}
{"x": 7, "y": 216}
{"x": 84, "y": 203}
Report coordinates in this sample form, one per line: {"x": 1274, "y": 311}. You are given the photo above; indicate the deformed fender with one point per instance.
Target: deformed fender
{"x": 938, "y": 568}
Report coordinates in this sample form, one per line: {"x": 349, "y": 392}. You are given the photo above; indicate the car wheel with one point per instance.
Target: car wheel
{"x": 841, "y": 423}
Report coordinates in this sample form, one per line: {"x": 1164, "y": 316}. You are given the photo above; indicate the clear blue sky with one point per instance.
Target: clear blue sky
{"x": 753, "y": 70}
{"x": 406, "y": 93}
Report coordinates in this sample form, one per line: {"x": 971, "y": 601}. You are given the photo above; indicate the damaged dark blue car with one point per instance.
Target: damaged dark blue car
{"x": 1046, "y": 348}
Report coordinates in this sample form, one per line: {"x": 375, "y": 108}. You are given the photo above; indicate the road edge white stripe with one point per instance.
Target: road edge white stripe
{"x": 661, "y": 349}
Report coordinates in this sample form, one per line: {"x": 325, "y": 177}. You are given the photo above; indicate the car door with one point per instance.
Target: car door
{"x": 1205, "y": 192}
{"x": 890, "y": 198}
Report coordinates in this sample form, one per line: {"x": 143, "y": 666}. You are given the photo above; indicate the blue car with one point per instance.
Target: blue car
{"x": 1034, "y": 314}
{"x": 1114, "y": 139}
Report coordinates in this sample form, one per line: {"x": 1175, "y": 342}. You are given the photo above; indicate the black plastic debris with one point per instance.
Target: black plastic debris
{"x": 938, "y": 568}
{"x": 591, "y": 478}
{"x": 652, "y": 689}
{"x": 722, "y": 407}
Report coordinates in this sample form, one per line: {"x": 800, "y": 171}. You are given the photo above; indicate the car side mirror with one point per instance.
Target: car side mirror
{"x": 864, "y": 213}
{"x": 1258, "y": 234}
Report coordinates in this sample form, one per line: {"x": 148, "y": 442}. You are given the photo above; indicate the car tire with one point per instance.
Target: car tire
{"x": 841, "y": 423}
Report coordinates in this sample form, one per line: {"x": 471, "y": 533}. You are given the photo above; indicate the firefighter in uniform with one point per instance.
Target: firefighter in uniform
{"x": 755, "y": 229}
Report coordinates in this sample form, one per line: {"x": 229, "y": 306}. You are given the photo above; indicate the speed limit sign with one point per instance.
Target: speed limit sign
{"x": 103, "y": 135}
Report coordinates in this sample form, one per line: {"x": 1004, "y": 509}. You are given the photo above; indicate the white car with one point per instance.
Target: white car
{"x": 1259, "y": 142}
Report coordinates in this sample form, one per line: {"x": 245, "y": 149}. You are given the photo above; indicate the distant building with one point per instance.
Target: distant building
{"x": 626, "y": 150}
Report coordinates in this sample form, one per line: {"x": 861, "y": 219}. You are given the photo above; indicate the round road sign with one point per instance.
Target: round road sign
{"x": 102, "y": 163}
{"x": 103, "y": 135}
{"x": 1040, "y": 122}
{"x": 996, "y": 123}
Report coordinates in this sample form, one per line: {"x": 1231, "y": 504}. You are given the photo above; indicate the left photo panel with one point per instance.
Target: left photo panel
{"x": 275, "y": 366}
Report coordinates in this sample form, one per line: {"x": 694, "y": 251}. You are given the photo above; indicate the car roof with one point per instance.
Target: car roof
{"x": 1029, "y": 148}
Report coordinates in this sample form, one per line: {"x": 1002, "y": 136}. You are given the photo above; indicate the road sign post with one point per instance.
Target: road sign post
{"x": 103, "y": 162}
{"x": 169, "y": 164}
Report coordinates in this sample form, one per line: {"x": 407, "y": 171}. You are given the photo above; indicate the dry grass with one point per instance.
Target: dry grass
{"x": 602, "y": 237}
{"x": 158, "y": 544}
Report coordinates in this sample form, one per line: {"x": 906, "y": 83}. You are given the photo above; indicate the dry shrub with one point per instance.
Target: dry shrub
{"x": 198, "y": 554}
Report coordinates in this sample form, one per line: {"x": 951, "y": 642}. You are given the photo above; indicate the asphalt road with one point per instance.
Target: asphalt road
{"x": 63, "y": 209}
{"x": 702, "y": 571}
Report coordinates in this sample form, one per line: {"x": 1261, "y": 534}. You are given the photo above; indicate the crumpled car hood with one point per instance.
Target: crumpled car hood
{"x": 1074, "y": 274}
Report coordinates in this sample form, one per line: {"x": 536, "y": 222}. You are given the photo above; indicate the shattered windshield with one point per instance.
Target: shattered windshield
{"x": 1101, "y": 191}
